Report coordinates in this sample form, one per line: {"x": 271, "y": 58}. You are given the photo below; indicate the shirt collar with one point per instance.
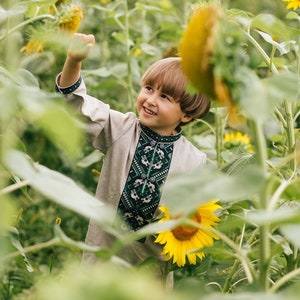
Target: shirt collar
{"x": 161, "y": 138}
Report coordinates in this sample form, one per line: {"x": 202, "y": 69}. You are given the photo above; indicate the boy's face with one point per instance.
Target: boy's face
{"x": 158, "y": 111}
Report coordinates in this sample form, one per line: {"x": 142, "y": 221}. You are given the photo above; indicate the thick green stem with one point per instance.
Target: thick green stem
{"x": 291, "y": 143}
{"x": 264, "y": 242}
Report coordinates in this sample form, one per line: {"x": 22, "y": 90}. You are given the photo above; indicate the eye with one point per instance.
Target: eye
{"x": 148, "y": 88}
{"x": 166, "y": 97}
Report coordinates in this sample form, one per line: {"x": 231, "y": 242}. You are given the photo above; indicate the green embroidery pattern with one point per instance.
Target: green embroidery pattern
{"x": 148, "y": 171}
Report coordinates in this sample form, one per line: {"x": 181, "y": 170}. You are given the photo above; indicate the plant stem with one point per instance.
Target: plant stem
{"x": 24, "y": 23}
{"x": 14, "y": 187}
{"x": 284, "y": 279}
{"x": 219, "y": 136}
{"x": 264, "y": 242}
{"x": 52, "y": 242}
{"x": 290, "y": 135}
{"x": 128, "y": 58}
{"x": 227, "y": 284}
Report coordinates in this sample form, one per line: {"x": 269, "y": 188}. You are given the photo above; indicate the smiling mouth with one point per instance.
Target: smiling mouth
{"x": 148, "y": 111}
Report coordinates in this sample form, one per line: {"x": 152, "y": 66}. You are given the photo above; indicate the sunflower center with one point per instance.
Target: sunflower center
{"x": 184, "y": 233}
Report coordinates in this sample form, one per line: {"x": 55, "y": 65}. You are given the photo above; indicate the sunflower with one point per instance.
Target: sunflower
{"x": 196, "y": 48}
{"x": 33, "y": 47}
{"x": 237, "y": 140}
{"x": 205, "y": 62}
{"x": 186, "y": 241}
{"x": 37, "y": 39}
{"x": 294, "y": 4}
{"x": 71, "y": 18}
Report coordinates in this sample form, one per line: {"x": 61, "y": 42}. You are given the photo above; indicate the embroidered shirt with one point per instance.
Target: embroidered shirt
{"x": 148, "y": 171}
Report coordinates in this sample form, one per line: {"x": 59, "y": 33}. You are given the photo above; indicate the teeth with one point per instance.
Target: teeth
{"x": 149, "y": 111}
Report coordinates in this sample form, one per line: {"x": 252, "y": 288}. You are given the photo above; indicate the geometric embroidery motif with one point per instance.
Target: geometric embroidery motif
{"x": 147, "y": 174}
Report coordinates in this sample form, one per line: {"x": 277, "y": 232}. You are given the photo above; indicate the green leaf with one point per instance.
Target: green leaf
{"x": 14, "y": 237}
{"x": 289, "y": 213}
{"x": 292, "y": 192}
{"x": 245, "y": 296}
{"x": 58, "y": 188}
{"x": 149, "y": 49}
{"x": 283, "y": 48}
{"x": 61, "y": 128}
{"x": 275, "y": 27}
{"x": 284, "y": 85}
{"x": 266, "y": 94}
{"x": 184, "y": 192}
{"x": 17, "y": 9}
{"x": 26, "y": 78}
{"x": 291, "y": 233}
{"x": 90, "y": 159}
{"x": 102, "y": 72}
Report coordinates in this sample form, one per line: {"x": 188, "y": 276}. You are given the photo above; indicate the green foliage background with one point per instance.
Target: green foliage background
{"x": 36, "y": 121}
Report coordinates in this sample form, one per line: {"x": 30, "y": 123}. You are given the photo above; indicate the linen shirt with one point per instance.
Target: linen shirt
{"x": 116, "y": 135}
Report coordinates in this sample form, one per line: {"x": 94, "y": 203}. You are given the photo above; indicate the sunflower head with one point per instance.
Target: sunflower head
{"x": 294, "y": 4}
{"x": 212, "y": 57}
{"x": 184, "y": 242}
{"x": 196, "y": 48}
{"x": 70, "y": 18}
{"x": 236, "y": 140}
{"x": 37, "y": 39}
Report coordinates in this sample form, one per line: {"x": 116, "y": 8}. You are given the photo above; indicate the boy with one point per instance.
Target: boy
{"x": 139, "y": 152}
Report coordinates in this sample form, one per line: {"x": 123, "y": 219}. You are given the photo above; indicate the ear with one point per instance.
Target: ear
{"x": 186, "y": 119}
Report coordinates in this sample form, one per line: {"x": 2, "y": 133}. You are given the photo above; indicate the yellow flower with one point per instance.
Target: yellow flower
{"x": 186, "y": 241}
{"x": 294, "y": 4}
{"x": 237, "y": 140}
{"x": 137, "y": 52}
{"x": 196, "y": 48}
{"x": 33, "y": 47}
{"x": 71, "y": 18}
{"x": 165, "y": 4}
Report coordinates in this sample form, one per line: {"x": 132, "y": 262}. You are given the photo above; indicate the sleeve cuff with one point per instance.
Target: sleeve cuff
{"x": 68, "y": 89}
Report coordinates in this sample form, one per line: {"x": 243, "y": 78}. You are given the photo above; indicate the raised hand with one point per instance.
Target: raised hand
{"x": 80, "y": 46}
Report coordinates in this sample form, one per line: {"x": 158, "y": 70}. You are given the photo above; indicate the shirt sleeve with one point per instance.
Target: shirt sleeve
{"x": 102, "y": 124}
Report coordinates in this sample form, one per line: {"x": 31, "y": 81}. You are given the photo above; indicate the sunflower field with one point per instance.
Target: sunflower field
{"x": 230, "y": 230}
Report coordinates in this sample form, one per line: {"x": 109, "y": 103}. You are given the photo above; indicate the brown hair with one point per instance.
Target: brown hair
{"x": 167, "y": 75}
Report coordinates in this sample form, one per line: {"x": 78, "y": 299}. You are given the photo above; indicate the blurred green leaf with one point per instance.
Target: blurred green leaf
{"x": 286, "y": 214}
{"x": 14, "y": 237}
{"x": 90, "y": 159}
{"x": 266, "y": 94}
{"x": 283, "y": 48}
{"x": 17, "y": 9}
{"x": 108, "y": 282}
{"x": 58, "y": 188}
{"x": 270, "y": 24}
{"x": 184, "y": 192}
{"x": 61, "y": 128}
{"x": 292, "y": 233}
{"x": 292, "y": 191}
{"x": 284, "y": 85}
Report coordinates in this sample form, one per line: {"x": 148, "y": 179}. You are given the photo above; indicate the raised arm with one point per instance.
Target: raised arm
{"x": 79, "y": 49}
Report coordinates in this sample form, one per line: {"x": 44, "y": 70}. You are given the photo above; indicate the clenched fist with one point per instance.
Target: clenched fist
{"x": 80, "y": 46}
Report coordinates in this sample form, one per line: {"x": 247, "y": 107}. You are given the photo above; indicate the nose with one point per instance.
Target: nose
{"x": 152, "y": 100}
